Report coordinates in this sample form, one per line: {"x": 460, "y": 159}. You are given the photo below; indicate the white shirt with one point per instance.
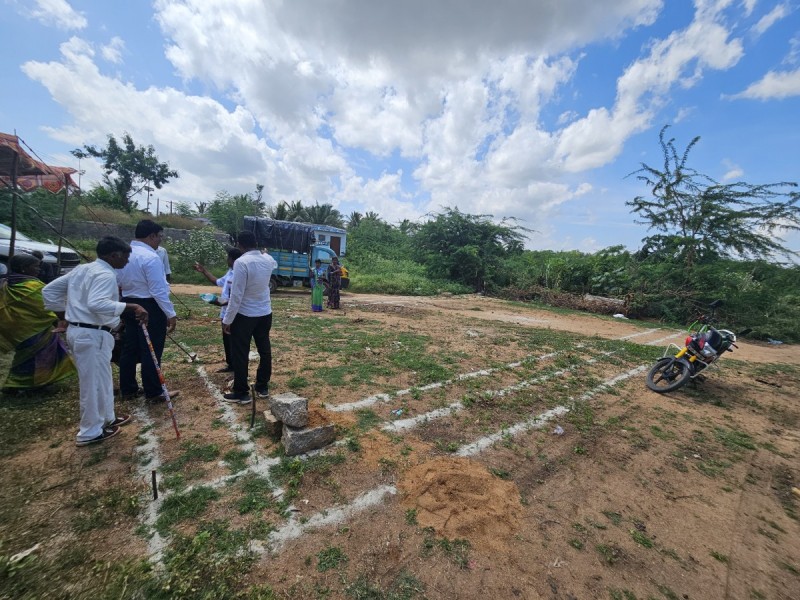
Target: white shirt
{"x": 87, "y": 294}
{"x": 225, "y": 283}
{"x": 250, "y": 287}
{"x": 143, "y": 277}
{"x": 162, "y": 254}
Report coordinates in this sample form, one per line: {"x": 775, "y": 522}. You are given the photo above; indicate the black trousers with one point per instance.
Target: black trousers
{"x": 226, "y": 343}
{"x": 244, "y": 329}
{"x": 135, "y": 349}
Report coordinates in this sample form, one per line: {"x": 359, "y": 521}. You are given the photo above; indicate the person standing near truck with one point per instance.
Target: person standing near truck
{"x": 249, "y": 317}
{"x": 318, "y": 274}
{"x": 334, "y": 283}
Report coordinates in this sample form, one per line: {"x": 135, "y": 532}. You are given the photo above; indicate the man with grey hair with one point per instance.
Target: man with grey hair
{"x": 88, "y": 298}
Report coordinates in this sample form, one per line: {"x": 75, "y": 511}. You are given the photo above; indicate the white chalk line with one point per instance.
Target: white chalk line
{"x": 401, "y": 424}
{"x": 155, "y": 543}
{"x": 330, "y": 516}
{"x": 540, "y": 420}
{"x": 383, "y": 397}
{"x": 338, "y": 514}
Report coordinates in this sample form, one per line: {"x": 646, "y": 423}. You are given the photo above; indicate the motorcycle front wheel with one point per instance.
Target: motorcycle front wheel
{"x": 667, "y": 375}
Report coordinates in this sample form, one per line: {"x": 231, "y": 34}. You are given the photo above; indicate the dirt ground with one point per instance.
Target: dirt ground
{"x": 485, "y": 449}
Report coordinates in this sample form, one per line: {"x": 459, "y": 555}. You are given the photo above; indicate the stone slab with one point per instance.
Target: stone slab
{"x": 299, "y": 440}
{"x": 290, "y": 409}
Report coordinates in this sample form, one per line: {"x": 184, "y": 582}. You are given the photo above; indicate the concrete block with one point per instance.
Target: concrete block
{"x": 301, "y": 440}
{"x": 290, "y": 409}
{"x": 272, "y": 426}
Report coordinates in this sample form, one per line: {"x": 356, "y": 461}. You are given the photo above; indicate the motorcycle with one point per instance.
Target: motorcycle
{"x": 701, "y": 350}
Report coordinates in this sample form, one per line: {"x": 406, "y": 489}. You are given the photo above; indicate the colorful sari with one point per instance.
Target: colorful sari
{"x": 317, "y": 288}
{"x": 40, "y": 356}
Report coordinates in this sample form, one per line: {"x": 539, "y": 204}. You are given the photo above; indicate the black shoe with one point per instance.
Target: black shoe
{"x": 162, "y": 397}
{"x": 262, "y": 391}
{"x": 225, "y": 369}
{"x": 133, "y": 395}
{"x": 238, "y": 398}
{"x": 108, "y": 432}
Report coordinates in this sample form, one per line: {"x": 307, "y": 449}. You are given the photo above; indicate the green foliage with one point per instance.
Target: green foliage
{"x": 699, "y": 219}
{"x": 34, "y": 210}
{"x": 331, "y": 557}
{"x": 129, "y": 169}
{"x": 227, "y": 212}
{"x": 467, "y": 249}
{"x": 200, "y": 246}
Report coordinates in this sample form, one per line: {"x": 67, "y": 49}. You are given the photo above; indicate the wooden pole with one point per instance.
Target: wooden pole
{"x": 61, "y": 230}
{"x": 12, "y": 241}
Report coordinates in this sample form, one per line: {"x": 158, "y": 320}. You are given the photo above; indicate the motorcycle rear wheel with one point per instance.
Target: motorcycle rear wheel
{"x": 668, "y": 374}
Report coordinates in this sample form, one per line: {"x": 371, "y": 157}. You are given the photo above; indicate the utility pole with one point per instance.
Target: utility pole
{"x": 170, "y": 206}
{"x": 158, "y": 205}
{"x": 149, "y": 189}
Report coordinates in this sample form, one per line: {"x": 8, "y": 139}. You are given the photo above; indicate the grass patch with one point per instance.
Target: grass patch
{"x": 256, "y": 494}
{"x": 734, "y": 439}
{"x": 456, "y": 550}
{"x": 192, "y": 453}
{"x": 179, "y": 507}
{"x": 237, "y": 460}
{"x": 290, "y": 471}
{"x": 331, "y": 557}
{"x": 367, "y": 419}
{"x": 404, "y": 587}
{"x": 640, "y": 538}
{"x": 723, "y": 558}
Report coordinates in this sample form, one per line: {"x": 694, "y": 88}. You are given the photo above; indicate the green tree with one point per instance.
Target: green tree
{"x": 130, "y": 169}
{"x": 353, "y": 220}
{"x": 323, "y": 214}
{"x": 227, "y": 212}
{"x": 467, "y": 249}
{"x": 699, "y": 219}
{"x": 279, "y": 212}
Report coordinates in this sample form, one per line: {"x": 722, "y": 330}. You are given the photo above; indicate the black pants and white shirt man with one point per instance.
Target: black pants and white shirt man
{"x": 143, "y": 282}
{"x": 249, "y": 317}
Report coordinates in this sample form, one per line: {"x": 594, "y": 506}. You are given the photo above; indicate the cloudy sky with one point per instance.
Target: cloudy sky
{"x": 516, "y": 108}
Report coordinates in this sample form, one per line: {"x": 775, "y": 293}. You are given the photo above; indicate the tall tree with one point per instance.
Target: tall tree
{"x": 129, "y": 169}
{"x": 699, "y": 219}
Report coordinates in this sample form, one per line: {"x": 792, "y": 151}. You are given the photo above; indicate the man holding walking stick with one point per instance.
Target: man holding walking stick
{"x": 88, "y": 298}
{"x": 143, "y": 282}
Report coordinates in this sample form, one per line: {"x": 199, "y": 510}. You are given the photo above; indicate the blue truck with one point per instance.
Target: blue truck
{"x": 296, "y": 246}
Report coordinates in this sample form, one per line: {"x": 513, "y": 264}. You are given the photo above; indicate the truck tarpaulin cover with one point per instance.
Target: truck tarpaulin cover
{"x": 280, "y": 235}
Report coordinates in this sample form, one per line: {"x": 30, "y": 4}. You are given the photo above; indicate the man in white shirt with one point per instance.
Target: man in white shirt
{"x": 143, "y": 282}
{"x": 249, "y": 317}
{"x": 88, "y": 298}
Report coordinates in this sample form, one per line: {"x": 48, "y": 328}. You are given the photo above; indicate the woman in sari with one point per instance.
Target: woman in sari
{"x": 26, "y": 329}
{"x": 317, "y": 285}
{"x": 334, "y": 283}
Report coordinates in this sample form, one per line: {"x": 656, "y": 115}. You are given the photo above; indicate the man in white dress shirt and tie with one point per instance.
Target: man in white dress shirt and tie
{"x": 88, "y": 298}
{"x": 143, "y": 282}
{"x": 249, "y": 317}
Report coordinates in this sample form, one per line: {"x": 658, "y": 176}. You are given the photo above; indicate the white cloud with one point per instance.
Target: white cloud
{"x": 112, "y": 51}
{"x": 774, "y": 85}
{"x": 454, "y": 98}
{"x": 57, "y": 13}
{"x": 772, "y": 17}
{"x": 749, "y": 5}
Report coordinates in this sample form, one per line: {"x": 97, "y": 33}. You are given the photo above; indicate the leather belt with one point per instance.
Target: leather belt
{"x": 90, "y": 326}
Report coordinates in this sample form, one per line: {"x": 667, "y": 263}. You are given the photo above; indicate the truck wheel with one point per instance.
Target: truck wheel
{"x": 273, "y": 285}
